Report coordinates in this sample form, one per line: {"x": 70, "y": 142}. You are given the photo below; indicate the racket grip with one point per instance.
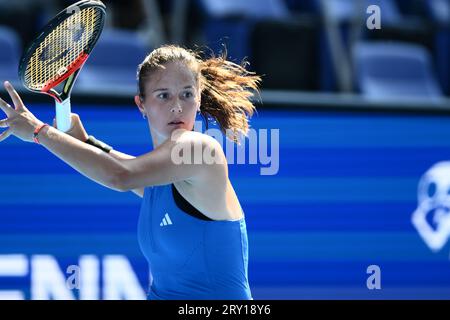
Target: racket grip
{"x": 63, "y": 120}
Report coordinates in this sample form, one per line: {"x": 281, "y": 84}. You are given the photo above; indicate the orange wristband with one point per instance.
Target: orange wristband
{"x": 37, "y": 130}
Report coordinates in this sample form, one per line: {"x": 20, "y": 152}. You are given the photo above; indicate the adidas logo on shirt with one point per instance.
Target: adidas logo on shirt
{"x": 166, "y": 221}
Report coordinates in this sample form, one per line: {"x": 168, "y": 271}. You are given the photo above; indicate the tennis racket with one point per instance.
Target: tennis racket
{"x": 51, "y": 63}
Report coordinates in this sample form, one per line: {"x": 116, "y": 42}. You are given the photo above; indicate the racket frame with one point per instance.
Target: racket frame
{"x": 62, "y": 99}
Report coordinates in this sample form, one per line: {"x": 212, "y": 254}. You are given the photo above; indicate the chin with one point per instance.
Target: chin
{"x": 170, "y": 131}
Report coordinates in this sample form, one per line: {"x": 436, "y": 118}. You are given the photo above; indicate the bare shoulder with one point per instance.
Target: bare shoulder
{"x": 185, "y": 136}
{"x": 211, "y": 191}
{"x": 200, "y": 149}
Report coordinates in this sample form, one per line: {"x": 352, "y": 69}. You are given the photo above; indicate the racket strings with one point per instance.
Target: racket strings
{"x": 62, "y": 47}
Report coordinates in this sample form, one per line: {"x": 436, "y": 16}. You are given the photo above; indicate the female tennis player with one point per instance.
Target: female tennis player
{"x": 191, "y": 228}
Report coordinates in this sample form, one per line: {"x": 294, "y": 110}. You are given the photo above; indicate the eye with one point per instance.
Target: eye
{"x": 188, "y": 94}
{"x": 163, "y": 95}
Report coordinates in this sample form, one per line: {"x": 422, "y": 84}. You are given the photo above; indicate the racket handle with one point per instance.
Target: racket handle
{"x": 63, "y": 120}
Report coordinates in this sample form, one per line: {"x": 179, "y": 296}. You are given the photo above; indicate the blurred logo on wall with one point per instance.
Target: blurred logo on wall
{"x": 432, "y": 216}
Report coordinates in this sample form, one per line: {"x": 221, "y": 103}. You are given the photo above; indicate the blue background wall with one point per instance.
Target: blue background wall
{"x": 341, "y": 201}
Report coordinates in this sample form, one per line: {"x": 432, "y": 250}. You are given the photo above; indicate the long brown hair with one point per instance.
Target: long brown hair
{"x": 226, "y": 87}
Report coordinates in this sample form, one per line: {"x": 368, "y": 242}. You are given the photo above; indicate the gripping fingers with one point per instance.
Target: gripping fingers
{"x": 5, "y": 135}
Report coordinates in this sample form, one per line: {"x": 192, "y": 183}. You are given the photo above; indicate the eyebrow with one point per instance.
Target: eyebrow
{"x": 161, "y": 89}
{"x": 166, "y": 89}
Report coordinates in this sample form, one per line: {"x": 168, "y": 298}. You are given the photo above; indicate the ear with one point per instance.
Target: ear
{"x": 139, "y": 104}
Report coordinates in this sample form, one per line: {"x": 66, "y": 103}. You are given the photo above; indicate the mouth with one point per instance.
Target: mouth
{"x": 175, "y": 122}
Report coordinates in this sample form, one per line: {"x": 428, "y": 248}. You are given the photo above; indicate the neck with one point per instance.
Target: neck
{"x": 155, "y": 142}
{"x": 156, "y": 138}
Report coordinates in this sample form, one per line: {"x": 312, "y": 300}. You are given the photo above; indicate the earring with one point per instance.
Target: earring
{"x": 144, "y": 116}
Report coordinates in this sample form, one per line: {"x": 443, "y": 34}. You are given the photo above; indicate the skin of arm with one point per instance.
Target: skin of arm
{"x": 157, "y": 167}
{"x": 154, "y": 168}
{"x": 79, "y": 132}
{"x": 123, "y": 156}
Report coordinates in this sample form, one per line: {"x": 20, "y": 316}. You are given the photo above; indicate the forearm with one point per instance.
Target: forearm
{"x": 120, "y": 156}
{"x": 90, "y": 161}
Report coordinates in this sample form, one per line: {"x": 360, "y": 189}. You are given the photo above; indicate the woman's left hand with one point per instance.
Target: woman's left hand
{"x": 20, "y": 121}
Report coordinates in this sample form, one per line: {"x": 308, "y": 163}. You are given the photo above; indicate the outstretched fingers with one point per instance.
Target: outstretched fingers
{"x": 6, "y": 108}
{"x": 4, "y": 135}
{"x": 14, "y": 96}
{"x": 4, "y": 123}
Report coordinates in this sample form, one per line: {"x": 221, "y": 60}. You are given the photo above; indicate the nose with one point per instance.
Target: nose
{"x": 176, "y": 108}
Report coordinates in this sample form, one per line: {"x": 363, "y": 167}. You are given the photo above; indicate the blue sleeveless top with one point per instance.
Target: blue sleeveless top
{"x": 191, "y": 258}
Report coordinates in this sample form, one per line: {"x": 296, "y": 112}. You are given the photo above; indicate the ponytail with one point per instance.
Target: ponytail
{"x": 226, "y": 92}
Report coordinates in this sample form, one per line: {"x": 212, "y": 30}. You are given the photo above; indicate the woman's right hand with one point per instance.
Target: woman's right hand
{"x": 77, "y": 129}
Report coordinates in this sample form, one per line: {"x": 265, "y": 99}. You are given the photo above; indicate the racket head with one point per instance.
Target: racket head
{"x": 62, "y": 47}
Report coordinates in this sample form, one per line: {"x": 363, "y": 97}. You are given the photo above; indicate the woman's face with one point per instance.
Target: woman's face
{"x": 172, "y": 98}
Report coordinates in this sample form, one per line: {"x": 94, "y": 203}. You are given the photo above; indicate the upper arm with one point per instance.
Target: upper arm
{"x": 186, "y": 155}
